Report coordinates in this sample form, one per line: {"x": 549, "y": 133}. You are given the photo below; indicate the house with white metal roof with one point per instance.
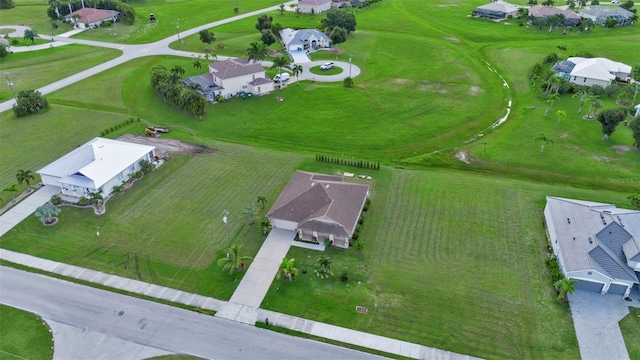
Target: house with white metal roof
{"x": 98, "y": 165}
{"x": 597, "y": 244}
{"x": 597, "y": 71}
{"x": 318, "y": 6}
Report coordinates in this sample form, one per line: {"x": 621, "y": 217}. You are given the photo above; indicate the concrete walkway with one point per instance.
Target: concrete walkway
{"x": 595, "y": 319}
{"x": 245, "y": 301}
{"x": 19, "y": 33}
{"x": 25, "y": 208}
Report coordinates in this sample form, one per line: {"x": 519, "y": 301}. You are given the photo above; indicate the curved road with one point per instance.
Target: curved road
{"x": 161, "y": 47}
{"x": 80, "y": 314}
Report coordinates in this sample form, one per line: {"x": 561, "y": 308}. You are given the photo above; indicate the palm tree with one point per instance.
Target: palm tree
{"x": 251, "y": 212}
{"x": 56, "y": 5}
{"x": 257, "y": 51}
{"x": 561, "y": 115}
{"x": 297, "y": 70}
{"x": 265, "y": 227}
{"x": 550, "y": 100}
{"x": 262, "y": 201}
{"x": 10, "y": 189}
{"x": 287, "y": 271}
{"x": 234, "y": 259}
{"x": 31, "y": 34}
{"x": 545, "y": 140}
{"x": 196, "y": 63}
{"x": 279, "y": 63}
{"x": 596, "y": 105}
{"x": 47, "y": 212}
{"x": 95, "y": 198}
{"x": 325, "y": 267}
{"x": 566, "y": 286}
{"x": 25, "y": 176}
{"x": 583, "y": 95}
{"x": 178, "y": 70}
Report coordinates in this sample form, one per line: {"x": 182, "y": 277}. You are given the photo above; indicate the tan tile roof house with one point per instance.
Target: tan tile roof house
{"x": 597, "y": 244}
{"x": 319, "y": 207}
{"x": 91, "y": 17}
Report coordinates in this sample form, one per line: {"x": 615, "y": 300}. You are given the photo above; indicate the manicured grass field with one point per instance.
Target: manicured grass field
{"x": 453, "y": 260}
{"x": 168, "y": 228}
{"x": 32, "y": 70}
{"x": 23, "y": 335}
{"x": 630, "y": 327}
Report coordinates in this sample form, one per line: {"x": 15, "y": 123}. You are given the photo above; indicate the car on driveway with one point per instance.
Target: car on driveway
{"x": 326, "y": 66}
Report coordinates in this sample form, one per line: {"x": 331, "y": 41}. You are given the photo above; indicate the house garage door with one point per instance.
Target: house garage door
{"x": 589, "y": 286}
{"x": 617, "y": 289}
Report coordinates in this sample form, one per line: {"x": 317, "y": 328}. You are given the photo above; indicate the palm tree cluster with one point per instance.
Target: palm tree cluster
{"x": 167, "y": 84}
{"x": 29, "y": 102}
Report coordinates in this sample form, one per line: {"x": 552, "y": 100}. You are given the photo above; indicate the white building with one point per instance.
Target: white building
{"x": 597, "y": 71}
{"x": 304, "y": 39}
{"x": 596, "y": 244}
{"x": 318, "y": 6}
{"x": 100, "y": 164}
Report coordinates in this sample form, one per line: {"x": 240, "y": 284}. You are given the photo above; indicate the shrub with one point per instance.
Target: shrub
{"x": 344, "y": 277}
{"x": 55, "y": 199}
{"x": 29, "y": 102}
{"x": 348, "y": 82}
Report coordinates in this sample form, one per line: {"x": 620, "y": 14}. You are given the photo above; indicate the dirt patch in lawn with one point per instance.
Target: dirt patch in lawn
{"x": 439, "y": 88}
{"x": 621, "y": 149}
{"x": 475, "y": 90}
{"x": 451, "y": 38}
{"x": 464, "y": 156}
{"x": 336, "y": 51}
{"x": 164, "y": 146}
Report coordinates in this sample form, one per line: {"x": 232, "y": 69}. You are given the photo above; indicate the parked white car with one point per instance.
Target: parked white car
{"x": 326, "y": 66}
{"x": 281, "y": 77}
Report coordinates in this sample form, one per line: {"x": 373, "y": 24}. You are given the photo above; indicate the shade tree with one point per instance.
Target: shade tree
{"x": 207, "y": 36}
{"x": 609, "y": 119}
{"x": 339, "y": 18}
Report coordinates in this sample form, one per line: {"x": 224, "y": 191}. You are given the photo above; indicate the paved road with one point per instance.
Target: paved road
{"x": 153, "y": 325}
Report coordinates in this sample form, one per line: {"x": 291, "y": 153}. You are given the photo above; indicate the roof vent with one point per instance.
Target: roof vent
{"x": 569, "y": 220}
{"x": 590, "y": 240}
{"x": 313, "y": 183}
{"x": 327, "y": 186}
{"x": 574, "y": 238}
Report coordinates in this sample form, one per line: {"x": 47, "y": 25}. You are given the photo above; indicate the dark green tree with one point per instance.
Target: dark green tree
{"x": 338, "y": 17}
{"x": 338, "y": 35}
{"x": 609, "y": 119}
{"x": 31, "y": 35}
{"x": 297, "y": 70}
{"x": 279, "y": 63}
{"x": 565, "y": 286}
{"x": 544, "y": 139}
{"x": 233, "y": 260}
{"x": 281, "y": 8}
{"x": 627, "y": 5}
{"x": 262, "y": 201}
{"x": 635, "y": 201}
{"x": 207, "y": 36}
{"x": 3, "y": 52}
{"x": 7, "y": 4}
{"x": 29, "y": 102}
{"x": 25, "y": 176}
{"x": 264, "y": 23}
{"x": 257, "y": 51}
{"x": 267, "y": 37}
{"x": 634, "y": 125}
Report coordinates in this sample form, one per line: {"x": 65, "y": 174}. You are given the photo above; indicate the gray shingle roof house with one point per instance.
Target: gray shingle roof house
{"x": 304, "y": 39}
{"x": 319, "y": 207}
{"x": 600, "y": 14}
{"x": 230, "y": 77}
{"x": 497, "y": 10}
{"x": 595, "y": 243}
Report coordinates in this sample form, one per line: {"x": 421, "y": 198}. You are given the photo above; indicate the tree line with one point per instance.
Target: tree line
{"x": 348, "y": 162}
{"x": 167, "y": 85}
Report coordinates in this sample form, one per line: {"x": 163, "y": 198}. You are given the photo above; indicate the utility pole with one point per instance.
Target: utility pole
{"x": 225, "y": 220}
{"x": 10, "y": 83}
{"x": 178, "y": 32}
{"x": 350, "y": 56}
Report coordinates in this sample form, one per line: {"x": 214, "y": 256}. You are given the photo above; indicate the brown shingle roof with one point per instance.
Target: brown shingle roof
{"x": 228, "y": 69}
{"x": 320, "y": 203}
{"x": 91, "y": 15}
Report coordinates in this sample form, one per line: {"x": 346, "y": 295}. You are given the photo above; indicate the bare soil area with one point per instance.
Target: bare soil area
{"x": 164, "y": 146}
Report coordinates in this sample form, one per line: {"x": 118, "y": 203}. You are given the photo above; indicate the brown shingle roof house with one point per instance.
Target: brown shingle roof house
{"x": 319, "y": 207}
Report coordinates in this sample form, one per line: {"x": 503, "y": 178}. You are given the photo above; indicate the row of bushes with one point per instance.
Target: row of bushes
{"x": 554, "y": 269}
{"x": 118, "y": 126}
{"x": 354, "y": 163}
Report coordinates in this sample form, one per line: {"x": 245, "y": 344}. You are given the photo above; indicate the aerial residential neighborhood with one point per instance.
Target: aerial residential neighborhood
{"x": 353, "y": 179}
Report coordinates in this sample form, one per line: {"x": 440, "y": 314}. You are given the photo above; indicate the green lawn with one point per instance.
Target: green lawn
{"x": 630, "y": 327}
{"x": 32, "y": 70}
{"x": 23, "y": 335}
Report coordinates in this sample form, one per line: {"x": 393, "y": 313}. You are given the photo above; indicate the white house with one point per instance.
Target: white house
{"x": 318, "y": 6}
{"x": 595, "y": 243}
{"x": 304, "y": 39}
{"x": 600, "y": 15}
{"x": 497, "y": 9}
{"x": 100, "y": 164}
{"x": 90, "y": 17}
{"x": 597, "y": 71}
{"x": 232, "y": 77}
{"x": 319, "y": 207}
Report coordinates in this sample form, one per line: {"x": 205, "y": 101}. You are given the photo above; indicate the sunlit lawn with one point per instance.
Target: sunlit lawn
{"x": 24, "y": 335}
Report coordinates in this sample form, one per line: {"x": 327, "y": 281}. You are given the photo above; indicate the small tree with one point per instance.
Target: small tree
{"x": 31, "y": 35}
{"x": 325, "y": 267}
{"x": 251, "y": 212}
{"x": 29, "y": 102}
{"x": 545, "y": 140}
{"x": 565, "y": 286}
{"x": 348, "y": 82}
{"x": 95, "y": 198}
{"x": 281, "y": 7}
{"x": 10, "y": 189}
{"x": 609, "y": 119}
{"x": 207, "y": 36}
{"x": 47, "y": 212}
{"x": 7, "y": 4}
{"x": 264, "y": 23}
{"x": 234, "y": 260}
{"x": 634, "y": 125}
{"x": 287, "y": 270}
{"x": 262, "y": 201}
{"x": 267, "y": 37}
{"x": 265, "y": 227}
{"x": 635, "y": 201}
{"x": 297, "y": 70}
{"x": 583, "y": 95}
{"x": 3, "y": 52}
{"x": 561, "y": 115}
{"x": 338, "y": 35}
{"x": 25, "y": 176}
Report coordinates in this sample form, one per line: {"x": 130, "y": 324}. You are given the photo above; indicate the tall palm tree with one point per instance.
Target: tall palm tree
{"x": 95, "y": 198}
{"x": 257, "y": 51}
{"x": 262, "y": 201}
{"x": 279, "y": 63}
{"x": 566, "y": 286}
{"x": 31, "y": 34}
{"x": 597, "y": 104}
{"x": 297, "y": 70}
{"x": 56, "y": 5}
{"x": 25, "y": 176}
{"x": 550, "y": 100}
{"x": 234, "y": 260}
{"x": 545, "y": 140}
{"x": 287, "y": 271}
{"x": 583, "y": 95}
{"x": 251, "y": 212}
{"x": 178, "y": 70}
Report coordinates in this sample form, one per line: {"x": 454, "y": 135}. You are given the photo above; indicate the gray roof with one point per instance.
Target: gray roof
{"x": 539, "y": 11}
{"x": 597, "y": 10}
{"x": 292, "y": 36}
{"x": 320, "y": 203}
{"x": 228, "y": 69}
{"x": 499, "y": 6}
{"x": 205, "y": 81}
{"x": 593, "y": 236}
{"x": 260, "y": 81}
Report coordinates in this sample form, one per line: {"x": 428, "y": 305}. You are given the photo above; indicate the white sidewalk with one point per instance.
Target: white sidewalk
{"x": 25, "y": 208}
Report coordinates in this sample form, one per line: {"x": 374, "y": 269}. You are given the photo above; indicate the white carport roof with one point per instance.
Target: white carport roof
{"x": 95, "y": 163}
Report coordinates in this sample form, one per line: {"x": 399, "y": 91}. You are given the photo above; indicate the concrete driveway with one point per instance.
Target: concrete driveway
{"x": 307, "y": 75}
{"x": 595, "y": 319}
